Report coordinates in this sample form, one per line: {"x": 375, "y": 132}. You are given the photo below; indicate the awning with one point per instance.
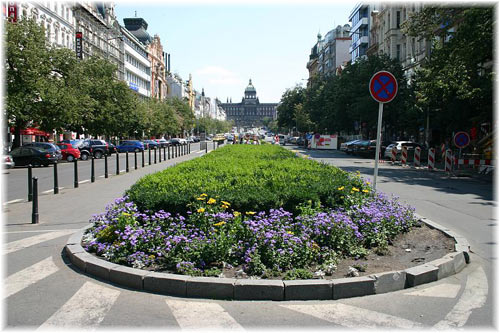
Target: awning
{"x": 31, "y": 131}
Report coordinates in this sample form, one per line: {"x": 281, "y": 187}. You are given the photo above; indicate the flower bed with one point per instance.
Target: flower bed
{"x": 212, "y": 235}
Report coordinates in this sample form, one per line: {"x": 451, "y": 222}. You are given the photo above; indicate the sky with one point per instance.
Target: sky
{"x": 224, "y": 44}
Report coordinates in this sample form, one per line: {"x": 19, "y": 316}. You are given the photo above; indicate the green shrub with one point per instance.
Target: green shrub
{"x": 251, "y": 177}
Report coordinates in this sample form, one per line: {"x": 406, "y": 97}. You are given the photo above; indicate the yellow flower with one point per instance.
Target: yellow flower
{"x": 211, "y": 201}
{"x": 289, "y": 232}
{"x": 250, "y": 213}
{"x": 152, "y": 256}
{"x": 203, "y": 195}
{"x": 236, "y": 214}
{"x": 226, "y": 203}
{"x": 225, "y": 206}
{"x": 366, "y": 191}
{"x": 342, "y": 197}
{"x": 315, "y": 245}
{"x": 340, "y": 188}
{"x": 219, "y": 224}
{"x": 126, "y": 214}
{"x": 200, "y": 198}
{"x": 368, "y": 183}
{"x": 201, "y": 210}
{"x": 355, "y": 189}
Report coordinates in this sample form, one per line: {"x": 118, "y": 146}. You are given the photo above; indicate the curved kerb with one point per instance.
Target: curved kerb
{"x": 275, "y": 290}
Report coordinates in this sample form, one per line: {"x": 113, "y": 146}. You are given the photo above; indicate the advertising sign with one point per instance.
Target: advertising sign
{"x": 12, "y": 11}
{"x": 78, "y": 45}
{"x": 324, "y": 142}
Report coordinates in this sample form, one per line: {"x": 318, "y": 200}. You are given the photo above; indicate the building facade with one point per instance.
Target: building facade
{"x": 334, "y": 51}
{"x": 312, "y": 64}
{"x": 100, "y": 33}
{"x": 158, "y": 70}
{"x": 360, "y": 22}
{"x": 250, "y": 112}
{"x": 137, "y": 65}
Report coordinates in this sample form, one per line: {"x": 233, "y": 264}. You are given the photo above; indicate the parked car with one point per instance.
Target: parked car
{"x": 162, "y": 142}
{"x": 8, "y": 162}
{"x": 130, "y": 146}
{"x": 178, "y": 141}
{"x": 349, "y": 147}
{"x": 399, "y": 144}
{"x": 35, "y": 156}
{"x": 111, "y": 147}
{"x": 49, "y": 146}
{"x": 190, "y": 139}
{"x": 150, "y": 144}
{"x": 365, "y": 148}
{"x": 98, "y": 148}
{"x": 75, "y": 142}
{"x": 196, "y": 138}
{"x": 300, "y": 141}
{"x": 69, "y": 153}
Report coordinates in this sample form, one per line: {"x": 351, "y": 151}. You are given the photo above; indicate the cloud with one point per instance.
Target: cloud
{"x": 218, "y": 75}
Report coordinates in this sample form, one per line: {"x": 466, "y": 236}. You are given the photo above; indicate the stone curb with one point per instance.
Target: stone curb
{"x": 275, "y": 290}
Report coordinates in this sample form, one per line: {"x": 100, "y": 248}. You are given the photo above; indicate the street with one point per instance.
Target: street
{"x": 43, "y": 289}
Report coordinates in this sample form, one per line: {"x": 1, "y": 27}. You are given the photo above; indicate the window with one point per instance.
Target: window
{"x": 398, "y": 19}
{"x": 398, "y": 52}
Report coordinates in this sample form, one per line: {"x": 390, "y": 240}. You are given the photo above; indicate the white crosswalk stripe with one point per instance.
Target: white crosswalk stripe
{"x": 28, "y": 276}
{"x": 85, "y": 310}
{"x": 353, "y": 317}
{"x": 30, "y": 241}
{"x": 202, "y": 315}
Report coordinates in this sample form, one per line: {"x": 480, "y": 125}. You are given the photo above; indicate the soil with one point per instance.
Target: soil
{"x": 425, "y": 245}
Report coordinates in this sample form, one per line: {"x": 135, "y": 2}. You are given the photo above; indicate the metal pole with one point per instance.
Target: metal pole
{"x": 149, "y": 154}
{"x": 165, "y": 153}
{"x": 155, "y": 153}
{"x": 92, "y": 170}
{"x": 56, "y": 180}
{"x": 117, "y": 163}
{"x": 135, "y": 159}
{"x": 30, "y": 183}
{"x": 126, "y": 162}
{"x": 168, "y": 151}
{"x": 106, "y": 165}
{"x": 159, "y": 154}
{"x": 34, "y": 212}
{"x": 206, "y": 147}
{"x": 142, "y": 152}
{"x": 75, "y": 163}
{"x": 377, "y": 152}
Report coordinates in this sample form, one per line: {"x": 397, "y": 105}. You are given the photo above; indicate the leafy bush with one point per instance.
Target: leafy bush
{"x": 250, "y": 177}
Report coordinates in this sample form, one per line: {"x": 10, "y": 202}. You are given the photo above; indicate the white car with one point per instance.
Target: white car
{"x": 399, "y": 144}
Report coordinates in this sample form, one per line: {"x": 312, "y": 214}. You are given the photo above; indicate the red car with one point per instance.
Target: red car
{"x": 69, "y": 152}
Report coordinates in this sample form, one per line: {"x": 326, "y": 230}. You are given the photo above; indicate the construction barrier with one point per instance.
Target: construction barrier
{"x": 448, "y": 161}
{"x": 431, "y": 158}
{"x": 443, "y": 151}
{"x": 416, "y": 158}
{"x": 394, "y": 152}
{"x": 404, "y": 155}
{"x": 466, "y": 161}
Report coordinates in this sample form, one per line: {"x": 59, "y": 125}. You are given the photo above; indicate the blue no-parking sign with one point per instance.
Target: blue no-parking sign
{"x": 383, "y": 87}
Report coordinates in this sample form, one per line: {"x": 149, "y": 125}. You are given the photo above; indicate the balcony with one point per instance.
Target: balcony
{"x": 361, "y": 22}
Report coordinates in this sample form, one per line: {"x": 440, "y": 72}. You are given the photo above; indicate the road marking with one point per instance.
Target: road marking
{"x": 444, "y": 290}
{"x": 202, "y": 315}
{"x": 48, "y": 191}
{"x": 84, "y": 181}
{"x": 28, "y": 276}
{"x": 86, "y": 309}
{"x": 13, "y": 201}
{"x": 473, "y": 297}
{"x": 30, "y": 241}
{"x": 28, "y": 231}
{"x": 353, "y": 317}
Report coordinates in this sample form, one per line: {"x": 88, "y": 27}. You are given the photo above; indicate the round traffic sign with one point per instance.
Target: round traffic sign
{"x": 461, "y": 139}
{"x": 383, "y": 87}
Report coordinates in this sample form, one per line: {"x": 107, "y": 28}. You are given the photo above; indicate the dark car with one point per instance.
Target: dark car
{"x": 300, "y": 141}
{"x": 175, "y": 142}
{"x": 46, "y": 146}
{"x": 111, "y": 147}
{"x": 349, "y": 146}
{"x": 150, "y": 144}
{"x": 98, "y": 148}
{"x": 130, "y": 146}
{"x": 33, "y": 155}
{"x": 162, "y": 142}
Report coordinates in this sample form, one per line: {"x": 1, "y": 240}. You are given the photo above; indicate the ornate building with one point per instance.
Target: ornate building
{"x": 250, "y": 112}
{"x": 157, "y": 58}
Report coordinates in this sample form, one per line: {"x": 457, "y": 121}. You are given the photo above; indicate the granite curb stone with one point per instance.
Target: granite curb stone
{"x": 248, "y": 289}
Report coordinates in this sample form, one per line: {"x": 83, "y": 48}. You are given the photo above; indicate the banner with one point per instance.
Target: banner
{"x": 324, "y": 142}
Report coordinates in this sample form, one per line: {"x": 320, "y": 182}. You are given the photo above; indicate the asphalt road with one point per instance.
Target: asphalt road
{"x": 44, "y": 290}
{"x": 17, "y": 178}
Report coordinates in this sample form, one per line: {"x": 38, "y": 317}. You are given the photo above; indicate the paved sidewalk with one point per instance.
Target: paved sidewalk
{"x": 72, "y": 208}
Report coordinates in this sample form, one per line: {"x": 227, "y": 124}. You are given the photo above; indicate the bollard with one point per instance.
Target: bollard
{"x": 431, "y": 159}
{"x": 159, "y": 154}
{"x": 117, "y": 163}
{"x": 206, "y": 147}
{"x": 34, "y": 212}
{"x": 394, "y": 152}
{"x": 164, "y": 153}
{"x": 416, "y": 157}
{"x": 56, "y": 180}
{"x": 30, "y": 183}
{"x": 142, "y": 152}
{"x": 106, "y": 165}
{"x": 404, "y": 155}
{"x": 213, "y": 148}
{"x": 135, "y": 159}
{"x": 168, "y": 151}
{"x": 149, "y": 154}
{"x": 75, "y": 163}
{"x": 155, "y": 153}
{"x": 126, "y": 161}
{"x": 189, "y": 148}
{"x": 92, "y": 170}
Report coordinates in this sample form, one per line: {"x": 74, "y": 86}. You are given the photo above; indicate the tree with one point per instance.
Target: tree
{"x": 286, "y": 107}
{"x": 185, "y": 114}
